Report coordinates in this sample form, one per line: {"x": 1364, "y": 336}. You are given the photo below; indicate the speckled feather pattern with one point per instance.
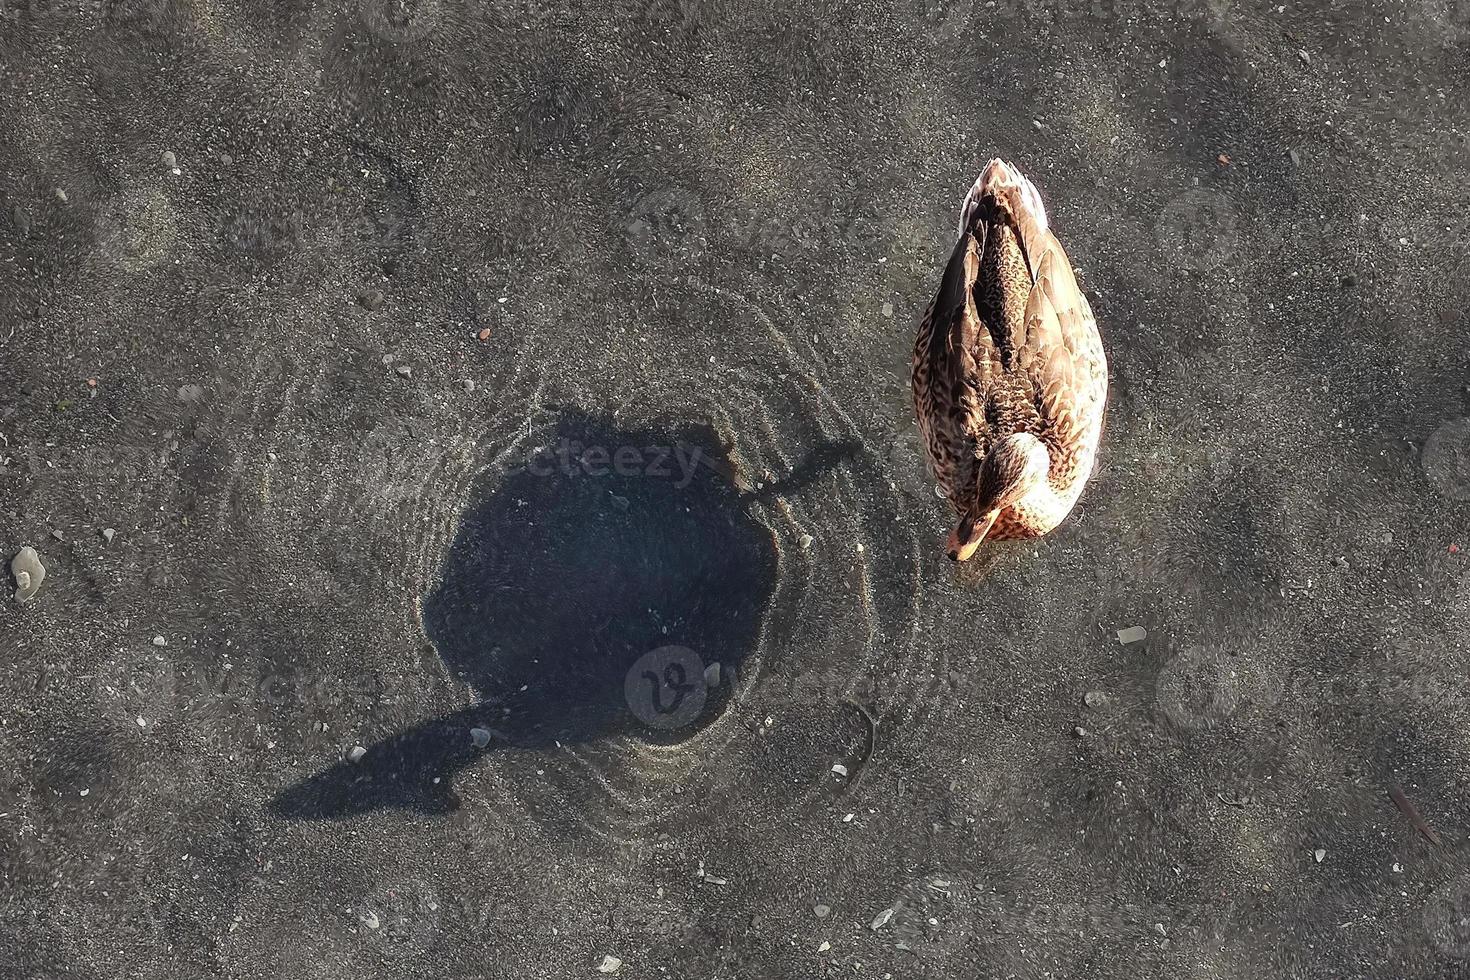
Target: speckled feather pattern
{"x": 1008, "y": 345}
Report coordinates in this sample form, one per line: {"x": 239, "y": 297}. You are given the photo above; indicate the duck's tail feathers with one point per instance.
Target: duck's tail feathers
{"x": 1009, "y": 189}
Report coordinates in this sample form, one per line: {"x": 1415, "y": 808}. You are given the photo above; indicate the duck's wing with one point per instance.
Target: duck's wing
{"x": 1005, "y": 209}
{"x": 1055, "y": 344}
{"x": 955, "y": 362}
{"x": 1063, "y": 355}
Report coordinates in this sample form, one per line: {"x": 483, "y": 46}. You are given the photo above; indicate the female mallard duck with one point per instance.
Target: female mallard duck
{"x": 1010, "y": 379}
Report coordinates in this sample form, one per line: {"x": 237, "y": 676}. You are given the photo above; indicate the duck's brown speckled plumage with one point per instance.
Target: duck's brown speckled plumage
{"x": 1009, "y": 345}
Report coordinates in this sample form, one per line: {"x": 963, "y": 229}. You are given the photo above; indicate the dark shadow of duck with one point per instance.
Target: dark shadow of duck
{"x": 586, "y": 594}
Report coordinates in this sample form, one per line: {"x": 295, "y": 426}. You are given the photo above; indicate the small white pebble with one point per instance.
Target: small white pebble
{"x": 356, "y": 753}
{"x": 849, "y": 818}
{"x": 85, "y": 792}
{"x": 609, "y": 964}
{"x": 824, "y": 947}
{"x": 881, "y": 919}
{"x": 1319, "y": 854}
{"x": 1131, "y": 634}
{"x": 805, "y": 541}
{"x": 840, "y": 769}
{"x": 159, "y": 641}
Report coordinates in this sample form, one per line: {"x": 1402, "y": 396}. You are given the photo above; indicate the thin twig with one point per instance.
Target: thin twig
{"x": 862, "y": 768}
{"x": 1409, "y": 810}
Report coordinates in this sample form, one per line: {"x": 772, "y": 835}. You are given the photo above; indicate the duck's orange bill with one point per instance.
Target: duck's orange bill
{"x": 961, "y": 550}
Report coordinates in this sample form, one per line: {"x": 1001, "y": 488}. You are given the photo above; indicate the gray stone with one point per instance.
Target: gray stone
{"x": 29, "y": 574}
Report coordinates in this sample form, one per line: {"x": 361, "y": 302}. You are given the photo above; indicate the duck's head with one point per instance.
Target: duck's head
{"x": 1016, "y": 465}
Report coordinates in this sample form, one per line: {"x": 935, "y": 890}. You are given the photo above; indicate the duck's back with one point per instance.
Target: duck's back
{"x": 1009, "y": 345}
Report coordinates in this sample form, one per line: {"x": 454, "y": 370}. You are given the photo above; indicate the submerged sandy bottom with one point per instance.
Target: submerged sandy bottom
{"x": 522, "y": 552}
